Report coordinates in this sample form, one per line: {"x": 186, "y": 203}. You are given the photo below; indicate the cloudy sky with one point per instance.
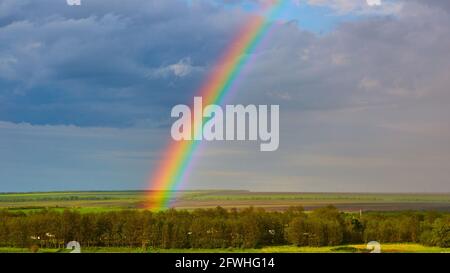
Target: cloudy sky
{"x": 363, "y": 89}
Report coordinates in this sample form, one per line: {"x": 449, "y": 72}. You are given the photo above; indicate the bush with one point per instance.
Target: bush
{"x": 34, "y": 248}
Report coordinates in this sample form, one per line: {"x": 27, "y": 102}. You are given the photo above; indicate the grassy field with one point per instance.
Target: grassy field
{"x": 386, "y": 248}
{"x": 102, "y": 201}
{"x": 116, "y": 200}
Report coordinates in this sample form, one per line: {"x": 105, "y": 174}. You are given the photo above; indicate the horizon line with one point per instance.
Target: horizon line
{"x": 235, "y": 190}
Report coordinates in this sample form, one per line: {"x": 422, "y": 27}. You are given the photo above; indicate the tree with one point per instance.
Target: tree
{"x": 440, "y": 234}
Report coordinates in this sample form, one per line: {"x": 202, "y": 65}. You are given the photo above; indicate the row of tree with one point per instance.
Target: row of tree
{"x": 220, "y": 228}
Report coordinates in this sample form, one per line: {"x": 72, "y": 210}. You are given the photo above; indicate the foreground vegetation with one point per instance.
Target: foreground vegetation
{"x": 388, "y": 248}
{"x": 220, "y": 229}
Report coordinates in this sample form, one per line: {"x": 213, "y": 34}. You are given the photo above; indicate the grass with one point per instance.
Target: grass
{"x": 335, "y": 197}
{"x": 26, "y": 250}
{"x": 388, "y": 248}
{"x": 93, "y": 201}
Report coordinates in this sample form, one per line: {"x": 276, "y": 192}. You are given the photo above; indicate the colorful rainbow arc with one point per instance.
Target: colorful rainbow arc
{"x": 177, "y": 156}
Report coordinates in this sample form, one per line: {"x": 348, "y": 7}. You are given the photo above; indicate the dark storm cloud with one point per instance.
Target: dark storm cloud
{"x": 117, "y": 63}
{"x": 363, "y": 107}
{"x": 107, "y": 63}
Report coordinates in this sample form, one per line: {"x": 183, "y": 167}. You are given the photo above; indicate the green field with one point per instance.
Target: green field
{"x": 385, "y": 248}
{"x": 116, "y": 200}
{"x": 91, "y": 204}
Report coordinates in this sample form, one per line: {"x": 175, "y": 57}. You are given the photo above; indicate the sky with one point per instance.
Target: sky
{"x": 363, "y": 87}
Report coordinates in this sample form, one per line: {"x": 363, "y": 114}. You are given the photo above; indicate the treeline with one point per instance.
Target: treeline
{"x": 220, "y": 228}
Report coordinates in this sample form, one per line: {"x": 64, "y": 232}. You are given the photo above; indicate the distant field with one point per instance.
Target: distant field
{"x": 116, "y": 200}
{"x": 389, "y": 248}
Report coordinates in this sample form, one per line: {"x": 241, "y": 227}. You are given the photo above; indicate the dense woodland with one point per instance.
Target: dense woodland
{"x": 220, "y": 228}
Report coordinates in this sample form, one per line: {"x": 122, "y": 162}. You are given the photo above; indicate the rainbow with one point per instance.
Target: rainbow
{"x": 172, "y": 169}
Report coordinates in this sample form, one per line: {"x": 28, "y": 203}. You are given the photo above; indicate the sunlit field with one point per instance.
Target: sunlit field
{"x": 386, "y": 248}
{"x": 117, "y": 200}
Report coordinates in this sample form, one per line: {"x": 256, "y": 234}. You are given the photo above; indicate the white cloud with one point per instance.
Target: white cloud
{"x": 360, "y": 6}
{"x": 180, "y": 69}
{"x": 374, "y": 2}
